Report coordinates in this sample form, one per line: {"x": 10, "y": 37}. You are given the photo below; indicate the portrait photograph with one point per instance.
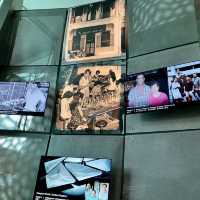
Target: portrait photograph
{"x": 148, "y": 90}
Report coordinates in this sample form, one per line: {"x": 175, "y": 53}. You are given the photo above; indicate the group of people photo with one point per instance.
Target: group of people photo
{"x": 184, "y": 86}
{"x": 146, "y": 90}
{"x": 163, "y": 87}
{"x": 91, "y": 94}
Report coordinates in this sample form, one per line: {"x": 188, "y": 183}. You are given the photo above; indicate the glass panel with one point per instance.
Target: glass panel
{"x": 159, "y": 25}
{"x": 38, "y": 39}
{"x": 5, "y": 7}
{"x": 89, "y": 99}
{"x": 19, "y": 161}
{"x": 30, "y": 123}
{"x": 1, "y": 1}
{"x": 7, "y": 33}
{"x": 164, "y": 58}
{"x": 164, "y": 120}
{"x": 161, "y": 166}
{"x": 108, "y": 147}
{"x": 197, "y": 9}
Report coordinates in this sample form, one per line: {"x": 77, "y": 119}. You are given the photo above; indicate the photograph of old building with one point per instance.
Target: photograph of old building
{"x": 95, "y": 31}
{"x": 89, "y": 98}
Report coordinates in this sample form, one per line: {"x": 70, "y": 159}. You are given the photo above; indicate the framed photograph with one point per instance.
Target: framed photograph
{"x": 24, "y": 98}
{"x": 95, "y": 32}
{"x": 72, "y": 178}
{"x": 169, "y": 87}
{"x": 147, "y": 91}
{"x": 184, "y": 83}
{"x": 89, "y": 98}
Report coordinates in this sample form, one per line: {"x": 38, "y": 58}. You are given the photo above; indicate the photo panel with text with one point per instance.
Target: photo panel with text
{"x": 164, "y": 88}
{"x": 147, "y": 91}
{"x": 72, "y": 178}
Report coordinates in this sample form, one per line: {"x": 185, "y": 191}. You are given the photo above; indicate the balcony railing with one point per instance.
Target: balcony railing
{"x": 79, "y": 19}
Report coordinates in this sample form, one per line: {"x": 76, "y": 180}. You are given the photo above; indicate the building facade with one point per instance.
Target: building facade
{"x": 96, "y": 31}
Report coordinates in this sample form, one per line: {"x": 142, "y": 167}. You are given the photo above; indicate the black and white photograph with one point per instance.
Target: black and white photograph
{"x": 23, "y": 97}
{"x": 184, "y": 83}
{"x": 72, "y": 178}
{"x": 95, "y": 31}
{"x": 89, "y": 98}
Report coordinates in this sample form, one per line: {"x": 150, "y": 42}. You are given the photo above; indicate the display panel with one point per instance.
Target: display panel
{"x": 147, "y": 91}
{"x": 25, "y": 98}
{"x": 89, "y": 98}
{"x": 95, "y": 31}
{"x": 73, "y": 178}
{"x": 184, "y": 83}
{"x": 163, "y": 88}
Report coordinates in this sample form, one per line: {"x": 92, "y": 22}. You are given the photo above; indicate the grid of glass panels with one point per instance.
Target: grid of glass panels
{"x": 37, "y": 50}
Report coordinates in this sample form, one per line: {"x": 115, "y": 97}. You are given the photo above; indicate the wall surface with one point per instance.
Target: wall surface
{"x": 160, "y": 38}
{"x": 162, "y": 166}
{"x": 159, "y": 151}
{"x": 161, "y": 158}
{"x": 5, "y": 7}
